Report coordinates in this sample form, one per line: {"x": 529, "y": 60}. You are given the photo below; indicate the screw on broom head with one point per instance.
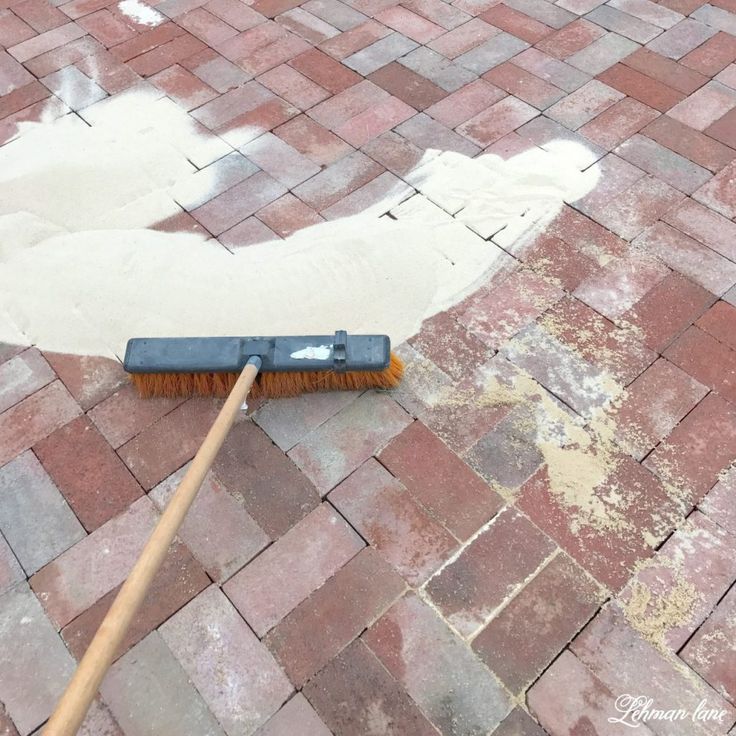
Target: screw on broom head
{"x": 209, "y": 366}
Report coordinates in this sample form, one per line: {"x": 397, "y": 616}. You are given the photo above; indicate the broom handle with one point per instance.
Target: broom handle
{"x": 81, "y": 690}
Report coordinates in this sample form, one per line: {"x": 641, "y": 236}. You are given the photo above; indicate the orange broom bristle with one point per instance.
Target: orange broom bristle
{"x": 268, "y": 385}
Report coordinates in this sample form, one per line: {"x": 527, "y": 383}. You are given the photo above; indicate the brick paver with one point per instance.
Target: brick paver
{"x": 539, "y": 520}
{"x": 316, "y": 630}
{"x": 598, "y": 648}
{"x": 34, "y": 517}
{"x": 212, "y": 643}
{"x": 238, "y": 537}
{"x": 151, "y": 676}
{"x": 357, "y": 676}
{"x": 437, "y": 668}
{"x": 181, "y": 578}
{"x": 310, "y": 553}
{"x": 523, "y": 638}
{"x": 457, "y": 590}
{"x": 31, "y": 650}
{"x": 90, "y": 475}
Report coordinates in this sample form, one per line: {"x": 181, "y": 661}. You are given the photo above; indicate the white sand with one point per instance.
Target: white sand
{"x": 79, "y": 272}
{"x": 140, "y": 12}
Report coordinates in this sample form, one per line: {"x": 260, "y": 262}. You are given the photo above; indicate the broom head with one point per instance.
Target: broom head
{"x": 291, "y": 365}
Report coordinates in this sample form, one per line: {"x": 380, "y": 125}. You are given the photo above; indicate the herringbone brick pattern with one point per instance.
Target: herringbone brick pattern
{"x": 400, "y": 563}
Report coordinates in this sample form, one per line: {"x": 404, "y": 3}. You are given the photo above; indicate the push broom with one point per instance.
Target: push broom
{"x": 236, "y": 367}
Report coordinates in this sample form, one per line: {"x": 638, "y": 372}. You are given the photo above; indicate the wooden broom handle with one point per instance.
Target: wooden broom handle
{"x": 81, "y": 690}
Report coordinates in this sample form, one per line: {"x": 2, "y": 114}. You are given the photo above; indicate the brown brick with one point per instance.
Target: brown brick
{"x": 34, "y": 418}
{"x": 176, "y": 583}
{"x": 707, "y": 360}
{"x": 320, "y": 627}
{"x": 385, "y": 514}
{"x": 325, "y": 71}
{"x": 467, "y": 593}
{"x": 440, "y": 480}
{"x": 152, "y": 455}
{"x": 407, "y": 85}
{"x": 357, "y": 677}
{"x": 269, "y": 485}
{"x": 698, "y": 449}
{"x": 539, "y": 621}
{"x": 641, "y": 87}
{"x": 292, "y": 568}
{"x": 690, "y": 143}
{"x": 439, "y": 671}
{"x": 88, "y": 472}
{"x": 665, "y": 70}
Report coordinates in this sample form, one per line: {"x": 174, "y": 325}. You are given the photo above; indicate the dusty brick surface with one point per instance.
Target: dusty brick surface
{"x": 311, "y": 552}
{"x": 654, "y": 404}
{"x": 264, "y": 480}
{"x": 122, "y": 416}
{"x": 35, "y": 519}
{"x": 551, "y": 608}
{"x": 383, "y": 511}
{"x": 314, "y": 632}
{"x": 435, "y": 666}
{"x": 297, "y": 714}
{"x": 697, "y": 558}
{"x": 696, "y": 470}
{"x": 195, "y": 636}
{"x": 11, "y": 571}
{"x": 83, "y": 574}
{"x": 358, "y": 676}
{"x": 569, "y": 697}
{"x": 177, "y": 582}
{"x": 440, "y": 480}
{"x": 21, "y": 376}
{"x": 524, "y": 296}
{"x": 667, "y": 309}
{"x": 706, "y": 358}
{"x": 618, "y": 309}
{"x": 718, "y": 505}
{"x": 86, "y": 470}
{"x": 597, "y": 647}
{"x": 463, "y": 591}
{"x": 89, "y": 379}
{"x": 336, "y": 448}
{"x": 689, "y": 257}
{"x": 291, "y": 419}
{"x": 150, "y": 674}
{"x": 450, "y": 346}
{"x": 651, "y": 514}
{"x": 151, "y": 457}
{"x": 219, "y": 531}
{"x": 34, "y": 418}
{"x": 35, "y": 663}
{"x": 708, "y": 652}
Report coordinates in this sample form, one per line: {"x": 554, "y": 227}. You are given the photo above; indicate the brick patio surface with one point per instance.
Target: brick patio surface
{"x": 403, "y": 563}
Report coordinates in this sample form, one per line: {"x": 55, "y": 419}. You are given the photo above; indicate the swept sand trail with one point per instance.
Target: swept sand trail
{"x": 81, "y": 273}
